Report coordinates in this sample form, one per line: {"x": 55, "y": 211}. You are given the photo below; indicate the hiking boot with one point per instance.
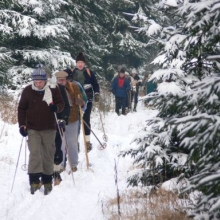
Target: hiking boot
{"x": 89, "y": 146}
{"x": 35, "y": 187}
{"x": 126, "y": 111}
{"x": 134, "y": 109}
{"x": 47, "y": 188}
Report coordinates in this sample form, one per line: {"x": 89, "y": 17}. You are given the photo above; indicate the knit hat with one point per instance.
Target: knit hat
{"x": 122, "y": 70}
{"x": 70, "y": 74}
{"x": 61, "y": 75}
{"x": 80, "y": 57}
{"x": 39, "y": 74}
{"x": 134, "y": 71}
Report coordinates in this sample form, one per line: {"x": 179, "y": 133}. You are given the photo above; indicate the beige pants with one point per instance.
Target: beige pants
{"x": 41, "y": 145}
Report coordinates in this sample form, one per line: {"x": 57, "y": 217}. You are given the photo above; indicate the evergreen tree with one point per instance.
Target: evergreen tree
{"x": 29, "y": 32}
{"x": 102, "y": 31}
{"x": 185, "y": 134}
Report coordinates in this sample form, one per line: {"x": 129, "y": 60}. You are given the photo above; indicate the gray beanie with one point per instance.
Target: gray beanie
{"x": 39, "y": 74}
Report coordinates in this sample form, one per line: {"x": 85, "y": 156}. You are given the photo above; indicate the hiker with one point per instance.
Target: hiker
{"x": 78, "y": 99}
{"x": 120, "y": 86}
{"x": 62, "y": 121}
{"x": 135, "y": 88}
{"x": 87, "y": 79}
{"x": 37, "y": 106}
{"x": 128, "y": 98}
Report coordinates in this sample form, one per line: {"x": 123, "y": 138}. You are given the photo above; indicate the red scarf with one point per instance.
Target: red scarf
{"x": 121, "y": 81}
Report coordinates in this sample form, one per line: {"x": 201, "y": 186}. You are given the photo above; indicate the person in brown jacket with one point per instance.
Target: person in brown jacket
{"x": 37, "y": 107}
{"x": 78, "y": 99}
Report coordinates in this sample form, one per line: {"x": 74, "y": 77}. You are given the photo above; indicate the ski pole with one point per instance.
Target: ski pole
{"x": 62, "y": 135}
{"x": 84, "y": 137}
{"x": 17, "y": 164}
{"x": 104, "y": 145}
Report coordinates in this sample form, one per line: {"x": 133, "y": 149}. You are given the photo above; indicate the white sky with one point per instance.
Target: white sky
{"x": 82, "y": 201}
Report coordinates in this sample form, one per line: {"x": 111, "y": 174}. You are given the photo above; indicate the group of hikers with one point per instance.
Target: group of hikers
{"x": 50, "y": 114}
{"x": 125, "y": 87}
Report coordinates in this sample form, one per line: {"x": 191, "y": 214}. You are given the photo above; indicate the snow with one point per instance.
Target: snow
{"x": 81, "y": 199}
{"x": 169, "y": 88}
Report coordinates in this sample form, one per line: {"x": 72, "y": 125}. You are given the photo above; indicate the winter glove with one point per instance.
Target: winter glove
{"x": 61, "y": 124}
{"x": 53, "y": 108}
{"x": 58, "y": 157}
{"x": 97, "y": 96}
{"x": 23, "y": 131}
{"x": 80, "y": 102}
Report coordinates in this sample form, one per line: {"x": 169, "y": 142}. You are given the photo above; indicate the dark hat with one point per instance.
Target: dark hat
{"x": 39, "y": 73}
{"x": 61, "y": 75}
{"x": 70, "y": 74}
{"x": 122, "y": 70}
{"x": 80, "y": 57}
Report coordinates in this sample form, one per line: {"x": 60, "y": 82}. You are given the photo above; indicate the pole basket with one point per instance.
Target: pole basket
{"x": 105, "y": 137}
{"x": 24, "y": 167}
{"x": 102, "y": 147}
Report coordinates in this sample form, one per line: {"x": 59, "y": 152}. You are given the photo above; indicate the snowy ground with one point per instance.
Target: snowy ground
{"x": 83, "y": 199}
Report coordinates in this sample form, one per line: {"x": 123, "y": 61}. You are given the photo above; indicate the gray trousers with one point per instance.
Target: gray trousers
{"x": 42, "y": 148}
{"x": 71, "y": 134}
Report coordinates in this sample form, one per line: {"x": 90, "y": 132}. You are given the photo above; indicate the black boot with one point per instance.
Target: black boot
{"x": 47, "y": 188}
{"x": 134, "y": 109}
{"x": 47, "y": 181}
{"x": 35, "y": 183}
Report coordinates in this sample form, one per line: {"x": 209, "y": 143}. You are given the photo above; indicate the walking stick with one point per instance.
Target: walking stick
{"x": 63, "y": 137}
{"x": 105, "y": 137}
{"x": 17, "y": 164}
{"x": 84, "y": 137}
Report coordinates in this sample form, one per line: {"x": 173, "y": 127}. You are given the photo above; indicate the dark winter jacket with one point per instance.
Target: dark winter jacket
{"x": 120, "y": 91}
{"x": 87, "y": 80}
{"x": 66, "y": 111}
{"x": 35, "y": 113}
{"x": 137, "y": 79}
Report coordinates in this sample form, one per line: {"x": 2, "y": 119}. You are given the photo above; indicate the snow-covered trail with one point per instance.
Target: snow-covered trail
{"x": 82, "y": 201}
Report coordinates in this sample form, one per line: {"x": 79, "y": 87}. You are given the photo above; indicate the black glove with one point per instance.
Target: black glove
{"x": 23, "y": 131}
{"x": 97, "y": 97}
{"x": 58, "y": 157}
{"x": 61, "y": 124}
{"x": 53, "y": 108}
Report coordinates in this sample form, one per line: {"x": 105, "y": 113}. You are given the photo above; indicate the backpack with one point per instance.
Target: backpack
{"x": 88, "y": 72}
